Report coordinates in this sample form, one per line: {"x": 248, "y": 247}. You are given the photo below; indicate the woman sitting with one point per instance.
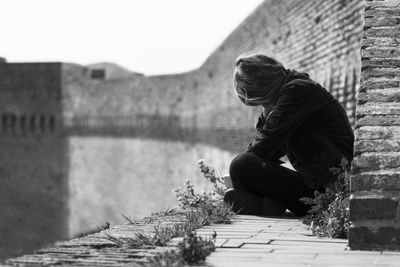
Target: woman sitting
{"x": 300, "y": 120}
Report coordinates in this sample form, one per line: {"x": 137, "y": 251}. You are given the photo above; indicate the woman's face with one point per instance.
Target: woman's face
{"x": 267, "y": 104}
{"x": 270, "y": 102}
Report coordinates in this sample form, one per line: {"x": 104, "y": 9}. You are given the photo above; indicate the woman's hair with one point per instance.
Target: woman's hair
{"x": 257, "y": 77}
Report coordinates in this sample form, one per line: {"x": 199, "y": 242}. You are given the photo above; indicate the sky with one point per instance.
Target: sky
{"x": 146, "y": 36}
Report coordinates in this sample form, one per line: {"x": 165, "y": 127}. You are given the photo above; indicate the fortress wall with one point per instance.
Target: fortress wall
{"x": 164, "y": 94}
{"x": 139, "y": 104}
{"x": 375, "y": 185}
{"x": 33, "y": 191}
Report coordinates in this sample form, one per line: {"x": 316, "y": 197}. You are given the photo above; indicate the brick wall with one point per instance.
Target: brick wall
{"x": 375, "y": 186}
{"x": 319, "y": 37}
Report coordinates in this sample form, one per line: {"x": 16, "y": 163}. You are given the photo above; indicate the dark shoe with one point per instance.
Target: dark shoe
{"x": 243, "y": 202}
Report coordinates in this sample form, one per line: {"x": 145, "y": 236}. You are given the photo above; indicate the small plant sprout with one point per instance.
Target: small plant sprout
{"x": 217, "y": 181}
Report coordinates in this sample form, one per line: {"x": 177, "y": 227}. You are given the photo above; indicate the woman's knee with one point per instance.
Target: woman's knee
{"x": 245, "y": 169}
{"x": 242, "y": 163}
{"x": 237, "y": 163}
{"x": 236, "y": 170}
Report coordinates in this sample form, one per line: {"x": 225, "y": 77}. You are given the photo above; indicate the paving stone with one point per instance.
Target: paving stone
{"x": 259, "y": 241}
{"x": 296, "y": 238}
{"x": 233, "y": 244}
{"x": 230, "y": 230}
{"x": 245, "y": 253}
{"x": 212, "y": 259}
{"x": 242, "y": 250}
{"x": 346, "y": 258}
{"x": 230, "y": 235}
{"x": 257, "y": 246}
{"x": 391, "y": 253}
{"x": 388, "y": 261}
{"x": 253, "y": 264}
{"x": 220, "y": 242}
{"x": 293, "y": 257}
{"x": 355, "y": 253}
{"x": 314, "y": 243}
{"x": 317, "y": 249}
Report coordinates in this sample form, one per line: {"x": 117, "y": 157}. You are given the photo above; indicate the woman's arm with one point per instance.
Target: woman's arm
{"x": 297, "y": 102}
{"x": 279, "y": 151}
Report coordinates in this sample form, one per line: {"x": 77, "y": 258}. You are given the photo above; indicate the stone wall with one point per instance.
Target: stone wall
{"x": 33, "y": 191}
{"x": 375, "y": 186}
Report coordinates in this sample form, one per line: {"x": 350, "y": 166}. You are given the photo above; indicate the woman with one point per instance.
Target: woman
{"x": 301, "y": 120}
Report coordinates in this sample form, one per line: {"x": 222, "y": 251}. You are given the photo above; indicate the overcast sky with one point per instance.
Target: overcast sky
{"x": 148, "y": 36}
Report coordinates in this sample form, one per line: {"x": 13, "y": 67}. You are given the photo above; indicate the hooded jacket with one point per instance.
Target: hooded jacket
{"x": 309, "y": 126}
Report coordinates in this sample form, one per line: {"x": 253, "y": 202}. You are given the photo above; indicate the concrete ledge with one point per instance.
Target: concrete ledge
{"x": 97, "y": 249}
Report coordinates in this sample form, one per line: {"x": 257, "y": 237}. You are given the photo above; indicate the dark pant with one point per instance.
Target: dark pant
{"x": 258, "y": 176}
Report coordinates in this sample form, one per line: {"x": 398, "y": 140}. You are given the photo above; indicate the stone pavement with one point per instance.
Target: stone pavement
{"x": 249, "y": 241}
{"x": 261, "y": 241}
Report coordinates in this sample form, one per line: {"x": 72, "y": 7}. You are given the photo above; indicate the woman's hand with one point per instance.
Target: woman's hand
{"x": 330, "y": 186}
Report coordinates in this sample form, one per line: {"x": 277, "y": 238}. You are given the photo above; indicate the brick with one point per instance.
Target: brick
{"x": 377, "y": 72}
{"x": 386, "y": 180}
{"x": 378, "y": 120}
{"x": 379, "y": 52}
{"x": 383, "y": 43}
{"x": 370, "y": 12}
{"x": 379, "y": 84}
{"x": 380, "y": 95}
{"x": 372, "y": 208}
{"x": 372, "y": 108}
{"x": 381, "y": 21}
{"x": 387, "y": 4}
{"x": 375, "y": 161}
{"x": 363, "y": 238}
{"x": 377, "y": 132}
{"x": 361, "y": 146}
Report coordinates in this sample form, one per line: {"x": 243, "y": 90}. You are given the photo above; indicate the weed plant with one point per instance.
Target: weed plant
{"x": 198, "y": 209}
{"x": 210, "y": 204}
{"x": 329, "y": 213}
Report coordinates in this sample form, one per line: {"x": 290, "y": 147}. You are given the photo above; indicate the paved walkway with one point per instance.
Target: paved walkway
{"x": 249, "y": 241}
{"x": 259, "y": 241}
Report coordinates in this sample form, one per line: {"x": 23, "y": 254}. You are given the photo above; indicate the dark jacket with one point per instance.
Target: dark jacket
{"x": 309, "y": 126}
